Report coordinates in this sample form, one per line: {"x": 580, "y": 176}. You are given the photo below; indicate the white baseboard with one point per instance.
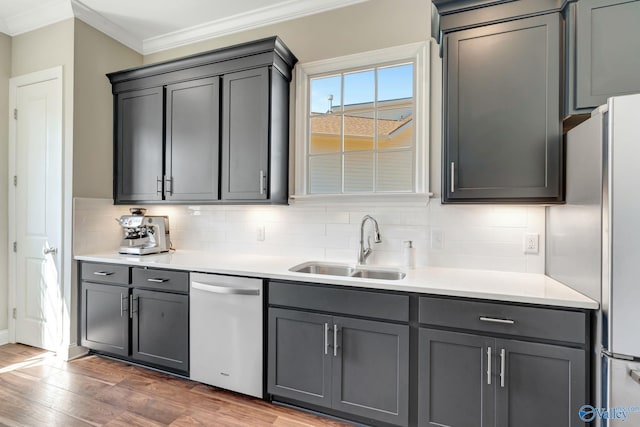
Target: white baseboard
{"x": 71, "y": 352}
{"x": 4, "y": 337}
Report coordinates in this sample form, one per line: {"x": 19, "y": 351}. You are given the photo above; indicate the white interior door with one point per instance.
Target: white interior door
{"x": 37, "y": 208}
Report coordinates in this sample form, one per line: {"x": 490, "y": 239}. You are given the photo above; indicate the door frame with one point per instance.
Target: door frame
{"x": 55, "y": 73}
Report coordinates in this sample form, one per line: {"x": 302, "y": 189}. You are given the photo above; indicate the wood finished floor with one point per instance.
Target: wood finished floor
{"x": 37, "y": 389}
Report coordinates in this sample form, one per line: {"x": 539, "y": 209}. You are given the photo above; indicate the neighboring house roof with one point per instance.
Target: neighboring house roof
{"x": 330, "y": 124}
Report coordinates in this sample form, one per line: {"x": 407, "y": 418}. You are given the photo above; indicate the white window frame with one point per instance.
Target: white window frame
{"x": 416, "y": 53}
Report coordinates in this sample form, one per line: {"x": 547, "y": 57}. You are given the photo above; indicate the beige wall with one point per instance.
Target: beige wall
{"x": 370, "y": 25}
{"x": 5, "y": 72}
{"x": 95, "y": 55}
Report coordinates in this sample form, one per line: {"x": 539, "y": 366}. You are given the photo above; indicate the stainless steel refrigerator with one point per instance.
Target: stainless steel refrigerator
{"x": 593, "y": 246}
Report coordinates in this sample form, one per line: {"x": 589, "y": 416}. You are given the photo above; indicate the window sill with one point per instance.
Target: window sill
{"x": 381, "y": 199}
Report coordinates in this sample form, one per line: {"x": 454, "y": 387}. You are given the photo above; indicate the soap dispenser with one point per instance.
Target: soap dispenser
{"x": 408, "y": 254}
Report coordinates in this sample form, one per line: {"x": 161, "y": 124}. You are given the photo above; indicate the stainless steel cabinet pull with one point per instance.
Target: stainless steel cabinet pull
{"x": 335, "y": 340}
{"x": 453, "y": 177}
{"x": 169, "y": 181}
{"x": 157, "y": 280}
{"x": 103, "y": 273}
{"x": 158, "y": 185}
{"x": 130, "y": 306}
{"x": 262, "y": 182}
{"x": 489, "y": 365}
{"x": 47, "y": 251}
{"x": 121, "y": 305}
{"x": 635, "y": 375}
{"x": 326, "y": 338}
{"x": 495, "y": 320}
{"x": 502, "y": 366}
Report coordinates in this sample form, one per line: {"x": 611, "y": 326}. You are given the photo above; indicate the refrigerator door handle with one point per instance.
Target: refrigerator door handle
{"x": 635, "y": 375}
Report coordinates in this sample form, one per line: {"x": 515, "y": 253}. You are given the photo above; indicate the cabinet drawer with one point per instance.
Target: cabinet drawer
{"x": 340, "y": 301}
{"x": 532, "y": 322}
{"x": 106, "y": 273}
{"x": 166, "y": 280}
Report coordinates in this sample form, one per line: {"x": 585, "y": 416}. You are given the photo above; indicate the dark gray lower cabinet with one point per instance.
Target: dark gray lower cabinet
{"x": 470, "y": 380}
{"x": 455, "y": 390}
{"x": 105, "y": 318}
{"x": 354, "y": 366}
{"x": 160, "y": 329}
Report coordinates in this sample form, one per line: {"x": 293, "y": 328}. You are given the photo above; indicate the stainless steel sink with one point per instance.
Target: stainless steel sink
{"x": 343, "y": 270}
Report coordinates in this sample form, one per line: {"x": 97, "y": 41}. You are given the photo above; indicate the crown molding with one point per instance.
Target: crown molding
{"x": 245, "y": 21}
{"x": 38, "y": 17}
{"x": 100, "y": 23}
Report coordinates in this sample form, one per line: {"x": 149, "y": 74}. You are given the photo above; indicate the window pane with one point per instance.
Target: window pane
{"x": 395, "y": 83}
{"x": 326, "y": 130}
{"x": 395, "y": 127}
{"x": 358, "y": 131}
{"x": 325, "y": 94}
{"x": 358, "y": 175}
{"x": 359, "y": 90}
{"x": 325, "y": 174}
{"x": 395, "y": 171}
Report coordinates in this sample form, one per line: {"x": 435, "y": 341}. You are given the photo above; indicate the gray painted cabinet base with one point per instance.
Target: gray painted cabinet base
{"x": 104, "y": 318}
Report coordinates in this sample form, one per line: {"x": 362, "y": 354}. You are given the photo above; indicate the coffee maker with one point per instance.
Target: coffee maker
{"x": 144, "y": 234}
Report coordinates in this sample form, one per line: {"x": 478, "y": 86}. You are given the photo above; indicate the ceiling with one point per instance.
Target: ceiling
{"x": 149, "y": 26}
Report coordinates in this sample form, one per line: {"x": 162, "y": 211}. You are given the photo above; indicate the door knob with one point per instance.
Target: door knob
{"x": 47, "y": 251}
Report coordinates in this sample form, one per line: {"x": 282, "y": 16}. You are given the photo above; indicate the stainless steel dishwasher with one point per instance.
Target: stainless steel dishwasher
{"x": 225, "y": 342}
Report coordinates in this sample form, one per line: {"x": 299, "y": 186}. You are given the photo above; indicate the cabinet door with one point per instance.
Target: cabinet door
{"x": 245, "y": 135}
{"x": 502, "y": 130}
{"x": 104, "y": 318}
{"x": 193, "y": 140}
{"x": 456, "y": 379}
{"x": 539, "y": 385}
{"x": 607, "y": 50}
{"x": 299, "y": 356}
{"x": 371, "y": 370}
{"x": 139, "y": 146}
{"x": 161, "y": 329}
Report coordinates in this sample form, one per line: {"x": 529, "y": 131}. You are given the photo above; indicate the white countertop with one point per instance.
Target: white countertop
{"x": 484, "y": 284}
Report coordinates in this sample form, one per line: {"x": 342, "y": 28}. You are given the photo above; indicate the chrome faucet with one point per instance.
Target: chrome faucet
{"x": 364, "y": 253}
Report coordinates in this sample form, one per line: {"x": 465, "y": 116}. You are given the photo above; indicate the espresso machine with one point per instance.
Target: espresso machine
{"x": 144, "y": 234}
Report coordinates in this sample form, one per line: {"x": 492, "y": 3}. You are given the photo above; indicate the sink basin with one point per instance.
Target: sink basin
{"x": 343, "y": 270}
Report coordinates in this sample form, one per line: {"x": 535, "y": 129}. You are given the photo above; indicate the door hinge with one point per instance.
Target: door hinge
{"x": 15, "y": 246}
{"x": 15, "y": 180}
{"x": 15, "y": 114}
{"x": 14, "y": 313}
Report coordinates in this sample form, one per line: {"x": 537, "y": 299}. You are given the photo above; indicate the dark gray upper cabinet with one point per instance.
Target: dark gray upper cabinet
{"x": 138, "y": 145}
{"x": 502, "y": 130}
{"x": 245, "y": 135}
{"x": 169, "y": 148}
{"x": 603, "y": 52}
{"x": 192, "y": 140}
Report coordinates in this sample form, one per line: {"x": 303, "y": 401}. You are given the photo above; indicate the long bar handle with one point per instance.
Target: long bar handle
{"x": 503, "y": 358}
{"x": 489, "y": 363}
{"x": 169, "y": 181}
{"x": 223, "y": 289}
{"x": 103, "y": 273}
{"x": 496, "y": 320}
{"x": 130, "y": 306}
{"x": 335, "y": 340}
{"x": 453, "y": 177}
{"x": 326, "y": 338}
{"x": 157, "y": 280}
{"x": 121, "y": 305}
{"x": 262, "y": 182}
{"x": 158, "y": 185}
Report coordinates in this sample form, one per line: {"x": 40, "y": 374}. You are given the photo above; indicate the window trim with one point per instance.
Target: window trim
{"x": 418, "y": 53}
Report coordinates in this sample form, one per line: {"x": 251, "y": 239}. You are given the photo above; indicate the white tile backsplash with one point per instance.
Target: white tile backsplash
{"x": 479, "y": 236}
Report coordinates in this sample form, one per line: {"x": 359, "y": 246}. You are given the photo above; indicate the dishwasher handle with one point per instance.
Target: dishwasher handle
{"x": 224, "y": 289}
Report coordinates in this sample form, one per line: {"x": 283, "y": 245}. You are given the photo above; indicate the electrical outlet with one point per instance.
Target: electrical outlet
{"x": 531, "y": 243}
{"x": 437, "y": 239}
{"x": 260, "y": 235}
